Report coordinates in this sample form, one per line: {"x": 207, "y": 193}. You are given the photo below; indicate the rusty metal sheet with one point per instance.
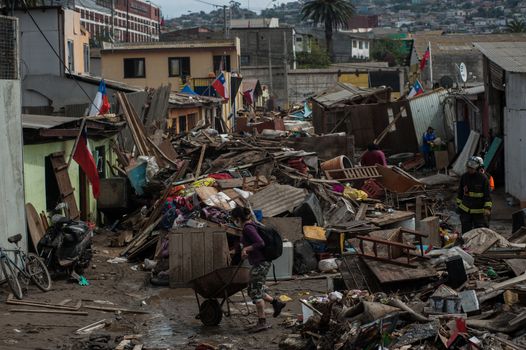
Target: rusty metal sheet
{"x": 277, "y": 199}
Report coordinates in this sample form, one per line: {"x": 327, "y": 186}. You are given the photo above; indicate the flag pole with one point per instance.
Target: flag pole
{"x": 82, "y": 124}
{"x": 430, "y": 65}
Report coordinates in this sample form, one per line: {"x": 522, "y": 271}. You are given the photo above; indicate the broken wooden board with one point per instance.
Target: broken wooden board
{"x": 36, "y": 228}
{"x": 290, "y": 228}
{"x": 262, "y": 181}
{"x": 196, "y": 252}
{"x": 388, "y": 273}
{"x": 518, "y": 266}
{"x": 397, "y": 180}
{"x": 391, "y": 218}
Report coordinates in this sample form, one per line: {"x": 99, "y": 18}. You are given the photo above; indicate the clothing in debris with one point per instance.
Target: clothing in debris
{"x": 252, "y": 238}
{"x": 373, "y": 157}
{"x": 474, "y": 200}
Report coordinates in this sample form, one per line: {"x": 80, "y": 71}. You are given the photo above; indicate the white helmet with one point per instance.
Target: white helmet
{"x": 475, "y": 162}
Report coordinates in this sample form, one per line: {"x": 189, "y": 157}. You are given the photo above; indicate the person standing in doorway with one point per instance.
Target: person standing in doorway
{"x": 427, "y": 147}
{"x": 474, "y": 199}
{"x": 253, "y": 246}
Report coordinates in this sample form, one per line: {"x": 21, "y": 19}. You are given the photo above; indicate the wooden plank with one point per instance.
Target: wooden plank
{"x": 220, "y": 245}
{"x": 36, "y": 229}
{"x": 208, "y": 254}
{"x": 238, "y": 183}
{"x": 362, "y": 211}
{"x": 40, "y": 311}
{"x": 391, "y": 218}
{"x": 198, "y": 253}
{"x": 387, "y": 273}
{"x": 481, "y": 249}
{"x": 430, "y": 227}
{"x": 187, "y": 257}
{"x": 64, "y": 184}
{"x": 200, "y": 162}
{"x": 176, "y": 259}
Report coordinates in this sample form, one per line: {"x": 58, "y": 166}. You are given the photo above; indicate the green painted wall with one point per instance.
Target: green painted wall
{"x": 35, "y": 171}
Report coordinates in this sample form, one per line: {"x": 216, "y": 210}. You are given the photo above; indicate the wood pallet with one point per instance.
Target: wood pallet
{"x": 358, "y": 173}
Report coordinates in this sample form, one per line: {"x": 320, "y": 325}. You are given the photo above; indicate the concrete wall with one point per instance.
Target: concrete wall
{"x": 445, "y": 64}
{"x": 35, "y": 171}
{"x": 12, "y": 213}
{"x": 156, "y": 64}
{"x": 35, "y": 54}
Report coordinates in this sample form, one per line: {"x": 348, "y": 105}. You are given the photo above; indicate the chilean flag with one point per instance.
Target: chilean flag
{"x": 424, "y": 60}
{"x": 85, "y": 160}
{"x": 100, "y": 105}
{"x": 220, "y": 86}
{"x": 416, "y": 89}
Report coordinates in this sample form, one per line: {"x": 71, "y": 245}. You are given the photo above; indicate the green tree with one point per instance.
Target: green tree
{"x": 391, "y": 51}
{"x": 333, "y": 14}
{"x": 316, "y": 58}
{"x": 516, "y": 26}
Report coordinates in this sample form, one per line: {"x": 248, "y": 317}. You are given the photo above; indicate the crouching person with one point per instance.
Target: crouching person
{"x": 253, "y": 246}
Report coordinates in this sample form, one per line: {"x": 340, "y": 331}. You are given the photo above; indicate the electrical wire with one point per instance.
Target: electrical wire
{"x": 58, "y": 55}
{"x": 209, "y": 3}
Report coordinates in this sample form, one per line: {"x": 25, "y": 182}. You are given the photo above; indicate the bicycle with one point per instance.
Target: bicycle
{"x": 26, "y": 267}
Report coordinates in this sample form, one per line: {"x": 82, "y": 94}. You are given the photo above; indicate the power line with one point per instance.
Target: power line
{"x": 209, "y": 3}
{"x": 58, "y": 55}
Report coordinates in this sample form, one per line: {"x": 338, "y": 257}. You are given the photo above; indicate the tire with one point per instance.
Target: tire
{"x": 38, "y": 272}
{"x": 210, "y": 312}
{"x": 12, "y": 280}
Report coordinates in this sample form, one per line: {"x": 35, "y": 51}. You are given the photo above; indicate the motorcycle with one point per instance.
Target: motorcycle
{"x": 66, "y": 246}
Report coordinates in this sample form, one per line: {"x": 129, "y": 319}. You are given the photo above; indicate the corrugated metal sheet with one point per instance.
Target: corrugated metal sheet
{"x": 34, "y": 121}
{"x": 277, "y": 199}
{"x": 427, "y": 110}
{"x": 515, "y": 152}
{"x": 343, "y": 92}
{"x": 516, "y": 91}
{"x": 511, "y": 56}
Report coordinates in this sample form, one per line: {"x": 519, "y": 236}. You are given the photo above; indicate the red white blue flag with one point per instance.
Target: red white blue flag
{"x": 416, "y": 89}
{"x": 220, "y": 86}
{"x": 85, "y": 160}
{"x": 100, "y": 104}
{"x": 425, "y": 58}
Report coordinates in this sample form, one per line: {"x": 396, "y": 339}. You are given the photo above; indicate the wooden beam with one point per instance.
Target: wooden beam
{"x": 200, "y": 163}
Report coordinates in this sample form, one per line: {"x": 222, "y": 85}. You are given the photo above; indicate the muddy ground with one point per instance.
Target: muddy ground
{"x": 170, "y": 323}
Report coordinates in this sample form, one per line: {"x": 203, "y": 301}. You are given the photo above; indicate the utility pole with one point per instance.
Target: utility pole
{"x": 270, "y": 69}
{"x": 285, "y": 70}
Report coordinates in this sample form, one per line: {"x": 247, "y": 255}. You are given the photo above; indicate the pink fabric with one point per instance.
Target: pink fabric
{"x": 371, "y": 158}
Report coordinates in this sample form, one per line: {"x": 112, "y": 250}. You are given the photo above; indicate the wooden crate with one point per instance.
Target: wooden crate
{"x": 196, "y": 252}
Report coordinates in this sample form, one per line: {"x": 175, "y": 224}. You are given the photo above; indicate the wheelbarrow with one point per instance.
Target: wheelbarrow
{"x": 218, "y": 284}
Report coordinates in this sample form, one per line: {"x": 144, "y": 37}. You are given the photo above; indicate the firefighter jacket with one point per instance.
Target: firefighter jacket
{"x": 474, "y": 193}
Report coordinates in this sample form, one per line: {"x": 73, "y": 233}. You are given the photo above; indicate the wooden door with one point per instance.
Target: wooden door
{"x": 60, "y": 168}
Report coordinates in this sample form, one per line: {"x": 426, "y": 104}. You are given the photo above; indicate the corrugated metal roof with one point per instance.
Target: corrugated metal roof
{"x": 35, "y": 121}
{"x": 155, "y": 45}
{"x": 426, "y": 111}
{"x": 277, "y": 199}
{"x": 510, "y": 56}
{"x": 344, "y": 92}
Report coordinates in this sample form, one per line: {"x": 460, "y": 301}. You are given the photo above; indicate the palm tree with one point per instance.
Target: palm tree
{"x": 516, "y": 26}
{"x": 333, "y": 14}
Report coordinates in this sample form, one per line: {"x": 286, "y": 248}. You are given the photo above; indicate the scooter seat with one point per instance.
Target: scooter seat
{"x": 15, "y": 239}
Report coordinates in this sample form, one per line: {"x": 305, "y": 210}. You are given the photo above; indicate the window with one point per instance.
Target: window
{"x": 360, "y": 45}
{"x": 134, "y": 68}
{"x": 86, "y": 58}
{"x": 71, "y": 58}
{"x": 179, "y": 66}
{"x": 366, "y": 45}
{"x": 221, "y": 63}
{"x": 354, "y": 44}
{"x": 182, "y": 123}
{"x": 299, "y": 39}
{"x": 245, "y": 60}
{"x": 100, "y": 153}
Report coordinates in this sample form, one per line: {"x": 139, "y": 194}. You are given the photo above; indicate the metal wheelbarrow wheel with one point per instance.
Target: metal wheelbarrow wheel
{"x": 210, "y": 312}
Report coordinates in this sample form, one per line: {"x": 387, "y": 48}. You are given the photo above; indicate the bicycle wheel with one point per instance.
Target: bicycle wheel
{"x": 38, "y": 272}
{"x": 10, "y": 276}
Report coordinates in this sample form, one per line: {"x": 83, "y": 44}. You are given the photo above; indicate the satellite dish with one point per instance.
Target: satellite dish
{"x": 446, "y": 82}
{"x": 463, "y": 72}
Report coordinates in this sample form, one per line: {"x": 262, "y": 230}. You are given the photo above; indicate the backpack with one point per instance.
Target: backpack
{"x": 273, "y": 242}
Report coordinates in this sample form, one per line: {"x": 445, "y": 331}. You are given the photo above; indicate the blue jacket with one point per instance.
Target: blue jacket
{"x": 428, "y": 137}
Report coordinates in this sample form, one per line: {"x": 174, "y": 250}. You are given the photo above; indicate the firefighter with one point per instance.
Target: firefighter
{"x": 474, "y": 200}
{"x": 488, "y": 175}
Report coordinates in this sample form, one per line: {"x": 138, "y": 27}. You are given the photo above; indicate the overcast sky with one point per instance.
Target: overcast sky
{"x": 174, "y": 8}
